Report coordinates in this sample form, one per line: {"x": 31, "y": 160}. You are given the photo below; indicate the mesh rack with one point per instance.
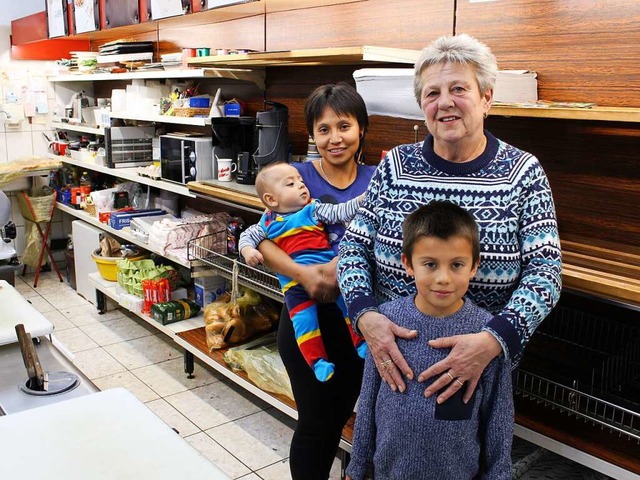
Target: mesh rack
{"x": 209, "y": 251}
{"x": 588, "y": 366}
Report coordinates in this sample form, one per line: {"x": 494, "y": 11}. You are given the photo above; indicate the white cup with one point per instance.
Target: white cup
{"x": 225, "y": 168}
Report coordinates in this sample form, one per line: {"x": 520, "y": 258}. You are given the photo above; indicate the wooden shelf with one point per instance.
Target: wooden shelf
{"x": 319, "y": 56}
{"x": 604, "y": 273}
{"x": 233, "y": 192}
{"x": 128, "y": 174}
{"x": 195, "y": 341}
{"x": 606, "y": 114}
{"x": 123, "y": 233}
{"x": 578, "y": 440}
{"x": 237, "y": 74}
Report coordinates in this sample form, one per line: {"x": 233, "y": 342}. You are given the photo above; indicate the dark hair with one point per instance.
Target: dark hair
{"x": 343, "y": 99}
{"x": 440, "y": 219}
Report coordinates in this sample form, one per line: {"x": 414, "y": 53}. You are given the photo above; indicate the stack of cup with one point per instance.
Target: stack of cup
{"x": 312, "y": 150}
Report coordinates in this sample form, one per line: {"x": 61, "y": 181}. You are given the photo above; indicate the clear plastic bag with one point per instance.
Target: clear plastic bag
{"x": 230, "y": 322}
{"x": 264, "y": 367}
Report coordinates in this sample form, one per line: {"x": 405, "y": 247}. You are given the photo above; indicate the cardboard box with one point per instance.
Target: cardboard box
{"x": 119, "y": 220}
{"x": 215, "y": 286}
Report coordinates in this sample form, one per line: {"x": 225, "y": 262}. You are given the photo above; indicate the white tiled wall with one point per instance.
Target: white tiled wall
{"x": 25, "y": 138}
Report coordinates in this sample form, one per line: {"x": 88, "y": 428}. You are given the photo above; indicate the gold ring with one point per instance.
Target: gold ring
{"x": 459, "y": 383}
{"x": 385, "y": 363}
{"x": 450, "y": 376}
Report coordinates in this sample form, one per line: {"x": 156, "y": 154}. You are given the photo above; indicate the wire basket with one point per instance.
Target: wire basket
{"x": 586, "y": 365}
{"x": 209, "y": 252}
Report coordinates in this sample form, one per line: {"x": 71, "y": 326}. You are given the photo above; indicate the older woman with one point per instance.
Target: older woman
{"x": 504, "y": 188}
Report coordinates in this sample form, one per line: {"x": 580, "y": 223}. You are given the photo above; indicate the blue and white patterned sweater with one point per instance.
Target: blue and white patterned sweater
{"x": 506, "y": 191}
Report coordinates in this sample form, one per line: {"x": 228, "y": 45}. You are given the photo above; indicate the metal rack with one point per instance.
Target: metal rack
{"x": 206, "y": 252}
{"x": 588, "y": 366}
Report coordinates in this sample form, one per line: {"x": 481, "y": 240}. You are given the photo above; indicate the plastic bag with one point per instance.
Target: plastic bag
{"x": 34, "y": 209}
{"x": 229, "y": 323}
{"x": 32, "y": 246}
{"x": 264, "y": 367}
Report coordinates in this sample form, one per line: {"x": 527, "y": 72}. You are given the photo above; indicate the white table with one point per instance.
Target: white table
{"x": 15, "y": 309}
{"x": 109, "y": 435}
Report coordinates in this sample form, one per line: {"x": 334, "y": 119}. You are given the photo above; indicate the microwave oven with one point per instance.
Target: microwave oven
{"x": 185, "y": 159}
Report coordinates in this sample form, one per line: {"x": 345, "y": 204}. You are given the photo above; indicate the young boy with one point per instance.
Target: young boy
{"x": 406, "y": 435}
{"x": 295, "y": 223}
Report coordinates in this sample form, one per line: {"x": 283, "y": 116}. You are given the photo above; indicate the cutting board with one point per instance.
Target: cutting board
{"x": 102, "y": 436}
{"x": 15, "y": 309}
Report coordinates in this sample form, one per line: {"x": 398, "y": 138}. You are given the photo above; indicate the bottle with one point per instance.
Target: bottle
{"x": 85, "y": 185}
{"x": 234, "y": 228}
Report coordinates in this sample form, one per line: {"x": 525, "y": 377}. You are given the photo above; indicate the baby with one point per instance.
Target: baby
{"x": 295, "y": 222}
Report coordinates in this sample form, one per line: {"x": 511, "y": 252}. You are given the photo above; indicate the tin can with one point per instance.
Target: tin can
{"x": 234, "y": 228}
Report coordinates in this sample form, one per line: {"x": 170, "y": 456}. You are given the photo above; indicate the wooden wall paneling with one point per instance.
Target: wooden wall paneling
{"x": 593, "y": 171}
{"x": 400, "y": 24}
{"x": 239, "y": 33}
{"x": 292, "y": 86}
{"x": 217, "y": 15}
{"x": 583, "y": 50}
{"x": 286, "y": 5}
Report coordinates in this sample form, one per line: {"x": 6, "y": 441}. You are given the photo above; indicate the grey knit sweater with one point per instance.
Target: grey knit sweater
{"x": 406, "y": 436}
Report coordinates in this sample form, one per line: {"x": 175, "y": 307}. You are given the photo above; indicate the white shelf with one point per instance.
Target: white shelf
{"x": 236, "y": 74}
{"x": 171, "y": 330}
{"x": 75, "y": 127}
{"x": 128, "y": 174}
{"x": 149, "y": 117}
{"x": 123, "y": 233}
{"x": 109, "y": 289}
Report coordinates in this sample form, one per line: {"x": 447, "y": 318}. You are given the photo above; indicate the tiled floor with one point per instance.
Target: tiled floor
{"x": 241, "y": 434}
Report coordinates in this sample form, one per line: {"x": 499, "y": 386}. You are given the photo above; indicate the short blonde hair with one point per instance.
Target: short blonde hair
{"x": 463, "y": 49}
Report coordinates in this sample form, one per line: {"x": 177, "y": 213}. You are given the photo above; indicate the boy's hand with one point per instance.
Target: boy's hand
{"x": 252, "y": 256}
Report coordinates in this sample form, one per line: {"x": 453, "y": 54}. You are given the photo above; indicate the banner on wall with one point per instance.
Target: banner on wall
{"x": 86, "y": 15}
{"x": 224, "y": 3}
{"x": 56, "y": 18}
{"x": 169, "y": 8}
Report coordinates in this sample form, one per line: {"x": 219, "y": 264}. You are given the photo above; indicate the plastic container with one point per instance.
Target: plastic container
{"x": 107, "y": 266}
{"x": 199, "y": 102}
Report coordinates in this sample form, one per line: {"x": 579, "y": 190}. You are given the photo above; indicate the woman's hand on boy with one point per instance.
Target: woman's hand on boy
{"x": 470, "y": 354}
{"x": 380, "y": 334}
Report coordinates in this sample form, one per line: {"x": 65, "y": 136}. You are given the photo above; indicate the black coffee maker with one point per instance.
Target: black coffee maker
{"x": 273, "y": 134}
{"x": 236, "y": 137}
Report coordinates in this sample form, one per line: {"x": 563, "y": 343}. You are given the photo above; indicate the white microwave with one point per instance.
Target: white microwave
{"x": 186, "y": 159}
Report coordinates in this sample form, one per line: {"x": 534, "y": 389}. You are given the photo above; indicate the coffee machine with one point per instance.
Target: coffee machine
{"x": 236, "y": 137}
{"x": 273, "y": 135}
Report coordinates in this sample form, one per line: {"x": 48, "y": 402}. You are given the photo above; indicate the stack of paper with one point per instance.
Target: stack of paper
{"x": 516, "y": 86}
